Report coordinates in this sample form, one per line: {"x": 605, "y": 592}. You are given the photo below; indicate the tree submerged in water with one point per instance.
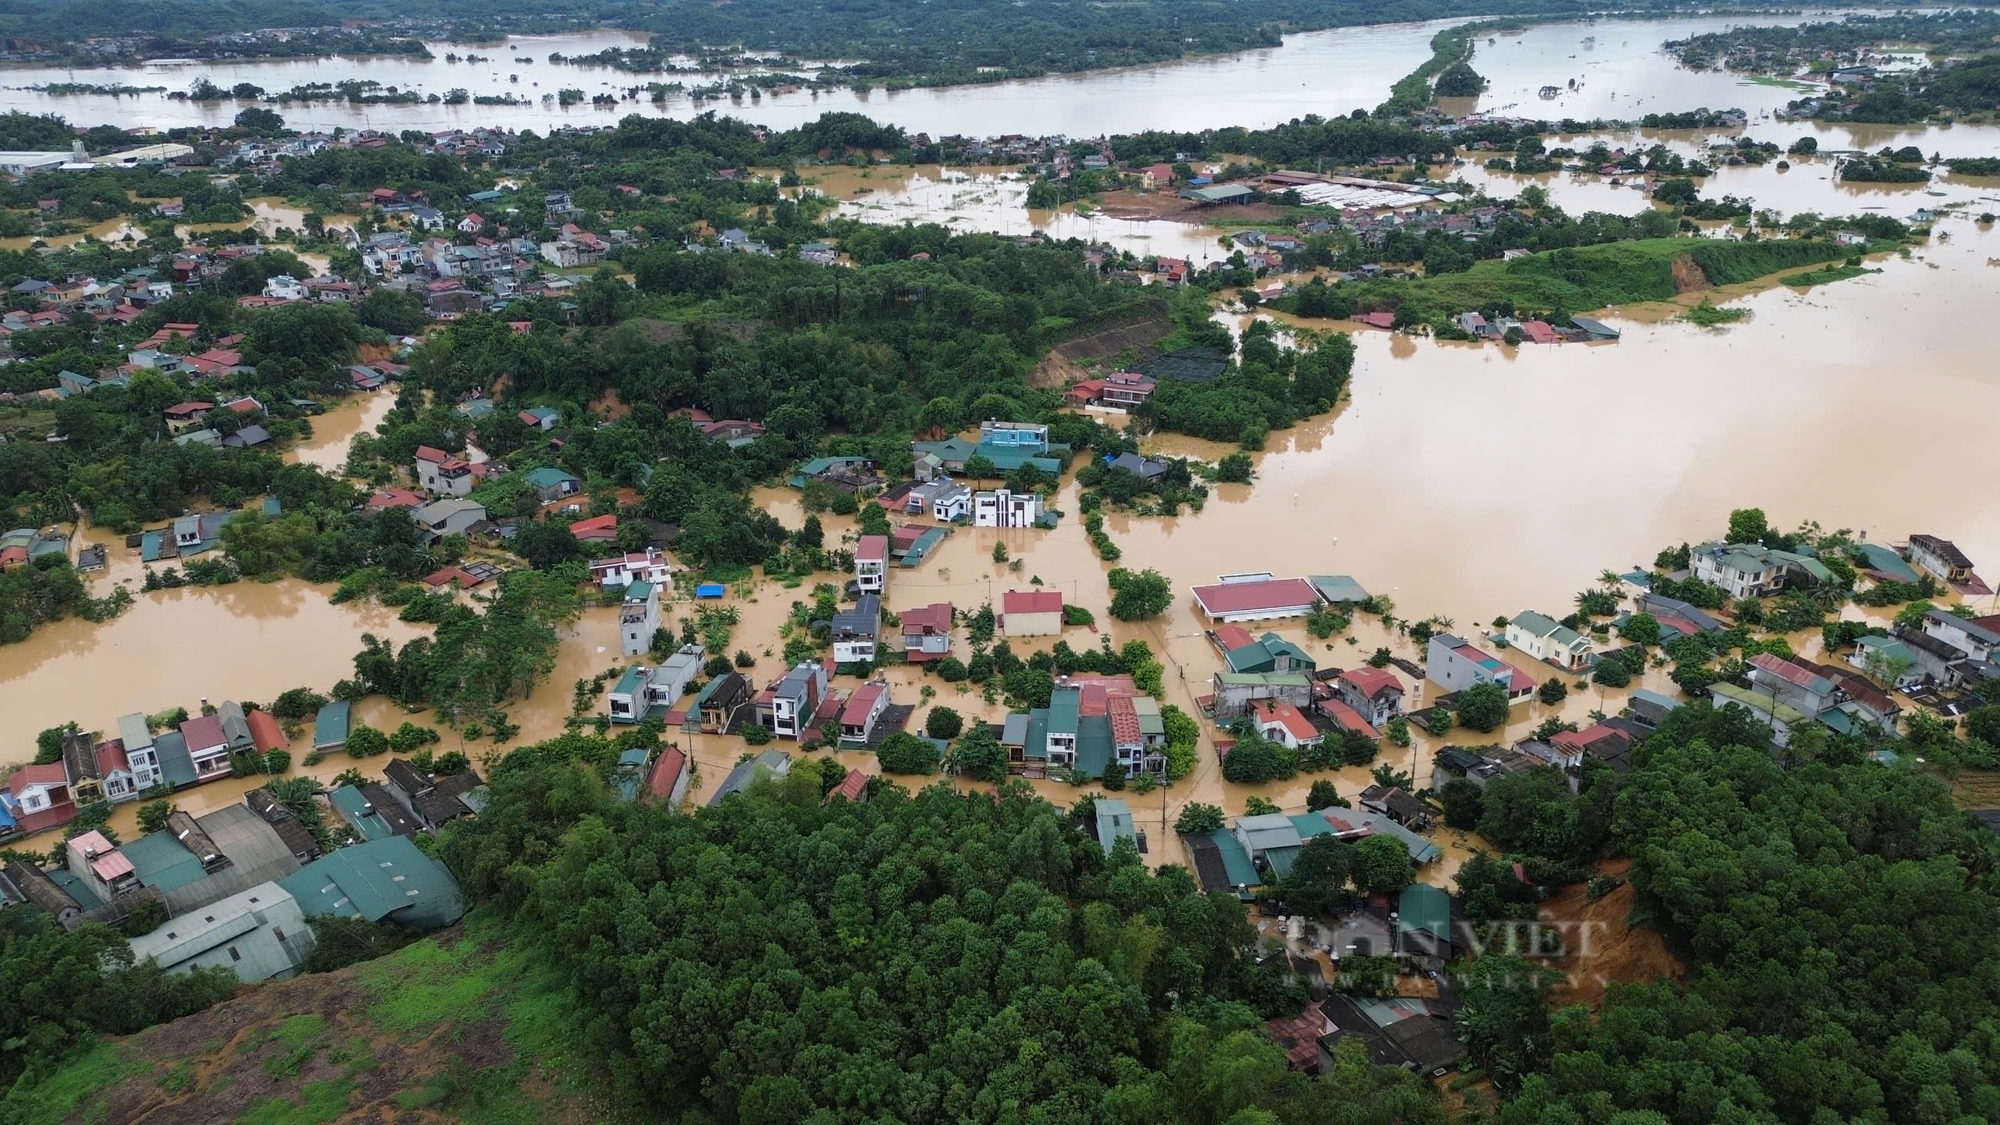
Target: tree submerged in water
{"x": 1459, "y": 80}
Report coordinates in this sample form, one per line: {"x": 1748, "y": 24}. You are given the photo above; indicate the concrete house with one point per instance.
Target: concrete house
{"x": 1744, "y": 570}
{"x": 1283, "y": 723}
{"x": 1031, "y": 613}
{"x": 927, "y": 632}
{"x": 786, "y": 708}
{"x": 1542, "y": 638}
{"x": 140, "y": 755}
{"x": 871, "y": 563}
{"x": 649, "y": 565}
{"x": 451, "y": 516}
{"x": 859, "y": 716}
{"x": 1941, "y": 559}
{"x": 1976, "y": 637}
{"x": 642, "y": 691}
{"x": 1888, "y": 660}
{"x": 854, "y": 631}
{"x": 1237, "y": 692}
{"x": 1781, "y": 717}
{"x": 441, "y": 474}
{"x": 207, "y": 747}
{"x": 638, "y": 618}
{"x": 1374, "y": 693}
{"x": 552, "y": 484}
{"x": 1801, "y": 688}
{"x": 1002, "y": 508}
{"x": 1935, "y": 658}
{"x": 715, "y": 706}
{"x": 1454, "y": 665}
{"x": 670, "y": 776}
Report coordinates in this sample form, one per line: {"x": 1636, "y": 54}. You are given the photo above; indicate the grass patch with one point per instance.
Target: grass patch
{"x": 1774, "y": 80}
{"x": 179, "y": 1078}
{"x": 1710, "y": 316}
{"x": 1827, "y": 274}
{"x": 1592, "y": 277}
{"x": 79, "y": 1092}
{"x": 321, "y": 1102}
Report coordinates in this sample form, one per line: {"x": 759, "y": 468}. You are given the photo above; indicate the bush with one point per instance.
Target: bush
{"x": 1198, "y": 819}
{"x": 1259, "y": 806}
{"x": 905, "y": 753}
{"x": 756, "y": 734}
{"x": 277, "y": 761}
{"x": 1114, "y": 776}
{"x": 950, "y": 669}
{"x": 1139, "y": 595}
{"x": 153, "y": 814}
{"x": 1483, "y": 707}
{"x": 1324, "y": 795}
{"x": 1611, "y": 673}
{"x": 366, "y": 742}
{"x": 1078, "y": 615}
{"x": 943, "y": 722}
{"x": 1552, "y": 691}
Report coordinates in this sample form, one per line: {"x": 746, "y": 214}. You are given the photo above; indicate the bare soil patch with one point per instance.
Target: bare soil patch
{"x": 1166, "y": 205}
{"x": 1608, "y": 947}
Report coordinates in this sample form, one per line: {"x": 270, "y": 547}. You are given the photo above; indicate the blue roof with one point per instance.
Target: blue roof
{"x": 331, "y": 725}
{"x": 710, "y": 590}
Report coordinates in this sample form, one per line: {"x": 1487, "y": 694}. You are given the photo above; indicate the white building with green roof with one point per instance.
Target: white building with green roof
{"x": 1549, "y": 641}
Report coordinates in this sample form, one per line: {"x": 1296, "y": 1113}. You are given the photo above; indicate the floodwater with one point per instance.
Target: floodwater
{"x": 993, "y": 200}
{"x": 333, "y": 430}
{"x": 1324, "y": 72}
{"x": 247, "y": 640}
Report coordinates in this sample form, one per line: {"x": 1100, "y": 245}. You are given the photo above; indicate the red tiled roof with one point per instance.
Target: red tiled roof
{"x": 395, "y": 498}
{"x": 861, "y": 703}
{"x": 933, "y": 618}
{"x": 188, "y": 409}
{"x": 1252, "y": 597}
{"x": 1377, "y": 319}
{"x": 49, "y": 774}
{"x": 1785, "y": 670}
{"x": 111, "y": 757}
{"x": 1539, "y": 332}
{"x": 1031, "y": 601}
{"x": 1233, "y": 637}
{"x": 264, "y": 732}
{"x": 1524, "y": 681}
{"x": 1285, "y": 715}
{"x": 596, "y": 527}
{"x": 851, "y": 787}
{"x": 1124, "y": 722}
{"x": 666, "y": 772}
{"x": 871, "y": 548}
{"x": 1372, "y": 682}
{"x": 203, "y": 732}
{"x": 429, "y": 453}
{"x": 1582, "y": 739}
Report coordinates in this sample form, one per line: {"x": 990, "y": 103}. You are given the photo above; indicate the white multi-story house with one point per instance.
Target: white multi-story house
{"x": 285, "y": 287}
{"x": 1550, "y": 642}
{"x": 1003, "y": 508}
{"x": 854, "y": 631}
{"x": 1744, "y": 570}
{"x": 441, "y": 474}
{"x": 140, "y": 756}
{"x": 871, "y": 563}
{"x": 638, "y": 618}
{"x": 649, "y": 565}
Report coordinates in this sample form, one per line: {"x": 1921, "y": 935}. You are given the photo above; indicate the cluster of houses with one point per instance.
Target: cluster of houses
{"x": 240, "y": 886}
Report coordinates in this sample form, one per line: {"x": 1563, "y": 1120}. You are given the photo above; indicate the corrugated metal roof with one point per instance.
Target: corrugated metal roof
{"x": 387, "y": 878}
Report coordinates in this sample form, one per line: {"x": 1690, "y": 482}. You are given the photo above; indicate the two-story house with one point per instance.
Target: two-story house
{"x": 854, "y": 631}
{"x": 140, "y": 755}
{"x": 450, "y": 516}
{"x": 859, "y": 717}
{"x": 1743, "y": 570}
{"x": 441, "y": 474}
{"x": 207, "y": 747}
{"x": 1550, "y": 642}
{"x": 927, "y": 632}
{"x": 1005, "y": 508}
{"x": 1281, "y": 722}
{"x": 1941, "y": 559}
{"x": 638, "y": 618}
{"x": 786, "y": 707}
{"x": 1454, "y": 665}
{"x": 1374, "y": 693}
{"x": 1976, "y": 637}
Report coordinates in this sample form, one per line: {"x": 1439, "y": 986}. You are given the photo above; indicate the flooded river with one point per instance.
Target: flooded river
{"x": 1623, "y": 75}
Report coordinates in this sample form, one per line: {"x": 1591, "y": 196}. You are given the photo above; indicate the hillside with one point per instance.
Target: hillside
{"x": 456, "y": 1028}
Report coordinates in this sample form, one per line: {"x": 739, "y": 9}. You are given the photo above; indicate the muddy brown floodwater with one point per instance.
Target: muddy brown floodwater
{"x": 333, "y": 430}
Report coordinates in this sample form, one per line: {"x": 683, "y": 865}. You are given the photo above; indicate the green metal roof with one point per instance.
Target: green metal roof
{"x": 548, "y": 476}
{"x": 638, "y": 590}
{"x": 1280, "y": 860}
{"x": 1065, "y": 709}
{"x": 331, "y": 724}
{"x": 161, "y": 862}
{"x": 1093, "y": 744}
{"x": 1338, "y": 589}
{"x": 1268, "y": 679}
{"x": 1887, "y": 561}
{"x": 630, "y": 682}
{"x": 1310, "y": 824}
{"x": 1114, "y": 821}
{"x": 387, "y": 878}
{"x": 1424, "y": 907}
{"x": 1235, "y": 861}
{"x": 1534, "y": 624}
{"x": 352, "y": 806}
{"x": 1037, "y": 746}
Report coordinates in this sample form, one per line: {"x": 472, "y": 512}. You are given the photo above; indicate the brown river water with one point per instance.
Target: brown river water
{"x": 1623, "y": 72}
